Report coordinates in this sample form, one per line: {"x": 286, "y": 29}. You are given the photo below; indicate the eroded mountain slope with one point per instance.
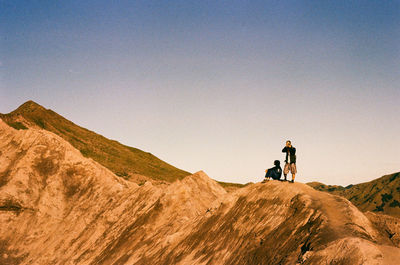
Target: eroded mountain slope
{"x": 57, "y": 207}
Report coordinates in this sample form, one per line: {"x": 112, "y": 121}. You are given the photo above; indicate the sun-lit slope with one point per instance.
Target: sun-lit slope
{"x": 282, "y": 223}
{"x": 58, "y": 207}
{"x": 125, "y": 161}
{"x": 381, "y": 195}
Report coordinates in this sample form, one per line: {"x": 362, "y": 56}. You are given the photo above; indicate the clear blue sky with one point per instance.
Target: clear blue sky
{"x": 217, "y": 85}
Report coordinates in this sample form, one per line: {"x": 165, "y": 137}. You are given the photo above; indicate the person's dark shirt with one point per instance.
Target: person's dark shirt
{"x": 290, "y": 151}
{"x": 274, "y": 172}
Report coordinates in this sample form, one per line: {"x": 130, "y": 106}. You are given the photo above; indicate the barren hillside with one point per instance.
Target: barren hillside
{"x": 58, "y": 207}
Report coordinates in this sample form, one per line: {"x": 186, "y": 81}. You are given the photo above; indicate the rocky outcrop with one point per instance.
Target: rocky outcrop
{"x": 57, "y": 207}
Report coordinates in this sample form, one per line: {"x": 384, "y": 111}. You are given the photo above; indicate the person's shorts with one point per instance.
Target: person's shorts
{"x": 290, "y": 167}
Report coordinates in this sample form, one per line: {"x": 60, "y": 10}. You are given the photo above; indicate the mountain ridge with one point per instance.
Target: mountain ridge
{"x": 58, "y": 207}
{"x": 381, "y": 195}
{"x": 125, "y": 161}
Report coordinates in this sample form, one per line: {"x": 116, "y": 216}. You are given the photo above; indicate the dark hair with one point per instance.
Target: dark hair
{"x": 277, "y": 163}
{"x": 289, "y": 141}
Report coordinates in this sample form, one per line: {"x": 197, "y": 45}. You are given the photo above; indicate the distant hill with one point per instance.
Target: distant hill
{"x": 381, "y": 195}
{"x": 127, "y": 162}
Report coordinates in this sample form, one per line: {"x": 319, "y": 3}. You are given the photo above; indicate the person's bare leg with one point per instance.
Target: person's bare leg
{"x": 293, "y": 176}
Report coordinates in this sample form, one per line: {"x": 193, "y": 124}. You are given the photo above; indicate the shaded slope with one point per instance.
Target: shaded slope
{"x": 230, "y": 187}
{"x": 125, "y": 161}
{"x": 387, "y": 224}
{"x": 381, "y": 195}
{"x": 57, "y": 207}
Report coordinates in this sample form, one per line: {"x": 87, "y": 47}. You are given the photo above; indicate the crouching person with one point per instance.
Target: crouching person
{"x": 274, "y": 172}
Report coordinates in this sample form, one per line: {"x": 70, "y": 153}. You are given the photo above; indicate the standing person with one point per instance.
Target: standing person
{"x": 290, "y": 161}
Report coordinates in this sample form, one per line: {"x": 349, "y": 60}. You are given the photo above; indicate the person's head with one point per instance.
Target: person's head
{"x": 288, "y": 143}
{"x": 277, "y": 163}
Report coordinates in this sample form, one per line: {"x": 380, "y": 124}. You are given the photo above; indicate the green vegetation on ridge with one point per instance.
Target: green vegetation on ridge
{"x": 123, "y": 160}
{"x": 381, "y": 195}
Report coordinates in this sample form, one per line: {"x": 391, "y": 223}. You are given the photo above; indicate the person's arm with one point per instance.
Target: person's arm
{"x": 279, "y": 171}
{"x": 293, "y": 151}
{"x": 284, "y": 150}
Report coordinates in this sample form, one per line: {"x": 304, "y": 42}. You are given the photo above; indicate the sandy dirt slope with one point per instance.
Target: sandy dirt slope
{"x": 57, "y": 207}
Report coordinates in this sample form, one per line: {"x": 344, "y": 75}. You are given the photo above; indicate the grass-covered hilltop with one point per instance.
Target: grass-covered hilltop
{"x": 124, "y": 161}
